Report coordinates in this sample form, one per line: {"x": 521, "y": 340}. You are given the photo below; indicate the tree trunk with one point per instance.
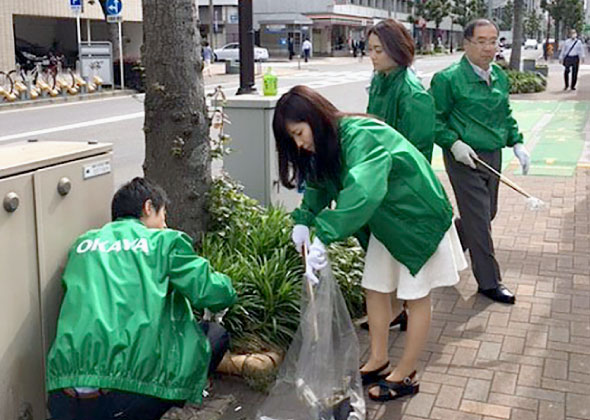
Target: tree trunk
{"x": 176, "y": 127}
{"x": 517, "y": 35}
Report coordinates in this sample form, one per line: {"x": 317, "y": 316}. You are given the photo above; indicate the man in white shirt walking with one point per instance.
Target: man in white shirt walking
{"x": 571, "y": 53}
{"x": 306, "y": 49}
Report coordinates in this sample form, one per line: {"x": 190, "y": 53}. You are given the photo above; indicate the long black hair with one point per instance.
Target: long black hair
{"x": 303, "y": 104}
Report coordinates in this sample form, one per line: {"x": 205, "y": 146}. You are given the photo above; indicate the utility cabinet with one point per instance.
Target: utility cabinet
{"x": 50, "y": 193}
{"x": 253, "y": 159}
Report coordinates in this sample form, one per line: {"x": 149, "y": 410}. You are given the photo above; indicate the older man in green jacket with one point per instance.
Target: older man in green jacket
{"x": 127, "y": 343}
{"x": 474, "y": 119}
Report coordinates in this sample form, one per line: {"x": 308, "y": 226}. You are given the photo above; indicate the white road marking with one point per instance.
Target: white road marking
{"x": 75, "y": 126}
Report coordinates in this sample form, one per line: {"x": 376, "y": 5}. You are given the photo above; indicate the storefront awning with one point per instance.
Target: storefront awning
{"x": 337, "y": 19}
{"x": 282, "y": 19}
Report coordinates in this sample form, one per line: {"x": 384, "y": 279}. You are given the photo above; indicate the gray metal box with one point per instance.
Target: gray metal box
{"x": 50, "y": 193}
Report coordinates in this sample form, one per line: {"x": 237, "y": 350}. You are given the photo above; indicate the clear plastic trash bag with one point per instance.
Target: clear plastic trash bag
{"x": 319, "y": 379}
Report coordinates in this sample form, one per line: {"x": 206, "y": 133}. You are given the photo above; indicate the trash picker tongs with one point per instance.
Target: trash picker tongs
{"x": 311, "y": 294}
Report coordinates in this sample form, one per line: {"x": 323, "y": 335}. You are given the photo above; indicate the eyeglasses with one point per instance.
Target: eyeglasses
{"x": 485, "y": 43}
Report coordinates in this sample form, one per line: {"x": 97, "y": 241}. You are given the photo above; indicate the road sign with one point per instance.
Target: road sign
{"x": 76, "y": 6}
{"x": 114, "y": 7}
{"x": 114, "y": 18}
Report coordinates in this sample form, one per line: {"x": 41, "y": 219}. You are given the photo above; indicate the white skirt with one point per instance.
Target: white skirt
{"x": 385, "y": 274}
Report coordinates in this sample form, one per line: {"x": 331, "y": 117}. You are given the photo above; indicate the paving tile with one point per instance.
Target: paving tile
{"x": 513, "y": 345}
{"x": 489, "y": 351}
{"x": 579, "y": 362}
{"x": 556, "y": 369}
{"x": 559, "y": 334}
{"x": 439, "y": 413}
{"x": 536, "y": 339}
{"x": 541, "y": 394}
{"x": 549, "y": 410}
{"x": 520, "y": 414}
{"x": 530, "y": 376}
{"x": 504, "y": 382}
{"x": 477, "y": 390}
{"x": 464, "y": 356}
{"x": 577, "y": 406}
{"x": 420, "y": 405}
{"x": 485, "y": 409}
{"x": 449, "y": 397}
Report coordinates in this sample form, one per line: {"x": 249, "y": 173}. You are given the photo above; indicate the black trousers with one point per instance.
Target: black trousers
{"x": 476, "y": 192}
{"x": 572, "y": 63}
{"x": 115, "y": 405}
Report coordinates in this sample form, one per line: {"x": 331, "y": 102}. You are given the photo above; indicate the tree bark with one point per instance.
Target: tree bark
{"x": 517, "y": 35}
{"x": 176, "y": 126}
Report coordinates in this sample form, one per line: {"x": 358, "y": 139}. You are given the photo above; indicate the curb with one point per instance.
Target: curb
{"x": 30, "y": 103}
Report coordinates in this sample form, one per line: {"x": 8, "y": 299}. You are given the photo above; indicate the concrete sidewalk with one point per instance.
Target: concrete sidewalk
{"x": 485, "y": 360}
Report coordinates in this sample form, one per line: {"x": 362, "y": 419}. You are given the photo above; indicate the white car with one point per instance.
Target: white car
{"x": 531, "y": 44}
{"x": 231, "y": 52}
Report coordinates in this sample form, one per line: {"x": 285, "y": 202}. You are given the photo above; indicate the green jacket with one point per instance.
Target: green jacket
{"x": 399, "y": 99}
{"x": 386, "y": 188}
{"x": 126, "y": 321}
{"x": 468, "y": 109}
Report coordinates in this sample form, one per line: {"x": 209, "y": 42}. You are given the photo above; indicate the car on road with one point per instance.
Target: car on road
{"x": 231, "y": 52}
{"x": 531, "y": 44}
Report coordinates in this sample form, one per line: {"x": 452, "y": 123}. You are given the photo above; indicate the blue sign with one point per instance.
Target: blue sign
{"x": 76, "y": 6}
{"x": 114, "y": 7}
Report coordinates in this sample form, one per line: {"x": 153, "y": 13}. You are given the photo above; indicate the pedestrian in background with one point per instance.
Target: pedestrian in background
{"x": 387, "y": 195}
{"x": 306, "y": 48}
{"x": 572, "y": 51}
{"x": 474, "y": 119}
{"x": 291, "y": 47}
{"x": 207, "y": 58}
{"x": 361, "y": 48}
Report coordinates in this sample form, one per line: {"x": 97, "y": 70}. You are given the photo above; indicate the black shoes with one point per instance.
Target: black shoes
{"x": 499, "y": 294}
{"x": 573, "y": 88}
{"x": 376, "y": 375}
{"x": 389, "y": 391}
{"x": 401, "y": 320}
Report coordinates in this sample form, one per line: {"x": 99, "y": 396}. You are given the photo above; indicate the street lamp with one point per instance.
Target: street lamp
{"x": 246, "y": 27}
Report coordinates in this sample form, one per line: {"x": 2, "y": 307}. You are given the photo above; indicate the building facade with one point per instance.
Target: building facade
{"x": 49, "y": 25}
{"x": 40, "y": 26}
{"x": 331, "y": 25}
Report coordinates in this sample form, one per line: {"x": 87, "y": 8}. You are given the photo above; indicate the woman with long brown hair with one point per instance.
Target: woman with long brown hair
{"x": 385, "y": 194}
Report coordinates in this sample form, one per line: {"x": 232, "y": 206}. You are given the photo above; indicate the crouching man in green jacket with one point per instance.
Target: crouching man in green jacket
{"x": 127, "y": 344}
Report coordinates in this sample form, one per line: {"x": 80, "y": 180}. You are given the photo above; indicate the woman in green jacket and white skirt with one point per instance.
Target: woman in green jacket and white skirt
{"x": 364, "y": 179}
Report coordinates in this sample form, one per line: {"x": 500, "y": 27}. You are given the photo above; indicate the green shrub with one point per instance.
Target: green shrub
{"x": 252, "y": 245}
{"x": 526, "y": 82}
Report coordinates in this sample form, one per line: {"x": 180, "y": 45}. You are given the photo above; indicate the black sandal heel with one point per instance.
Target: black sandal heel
{"x": 389, "y": 391}
{"x": 373, "y": 376}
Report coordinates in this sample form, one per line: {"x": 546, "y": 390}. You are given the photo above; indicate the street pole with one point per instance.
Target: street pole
{"x": 121, "y": 64}
{"x": 395, "y": 9}
{"x": 78, "y": 34}
{"x": 546, "y": 52}
{"x": 89, "y": 38}
{"x": 211, "y": 18}
{"x": 246, "y": 28}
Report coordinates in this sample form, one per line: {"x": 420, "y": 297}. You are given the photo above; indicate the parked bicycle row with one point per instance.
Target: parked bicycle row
{"x": 45, "y": 81}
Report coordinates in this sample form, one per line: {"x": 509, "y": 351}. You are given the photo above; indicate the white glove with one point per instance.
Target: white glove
{"x": 463, "y": 153}
{"x": 316, "y": 261}
{"x": 523, "y": 157}
{"x": 216, "y": 317}
{"x": 300, "y": 237}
